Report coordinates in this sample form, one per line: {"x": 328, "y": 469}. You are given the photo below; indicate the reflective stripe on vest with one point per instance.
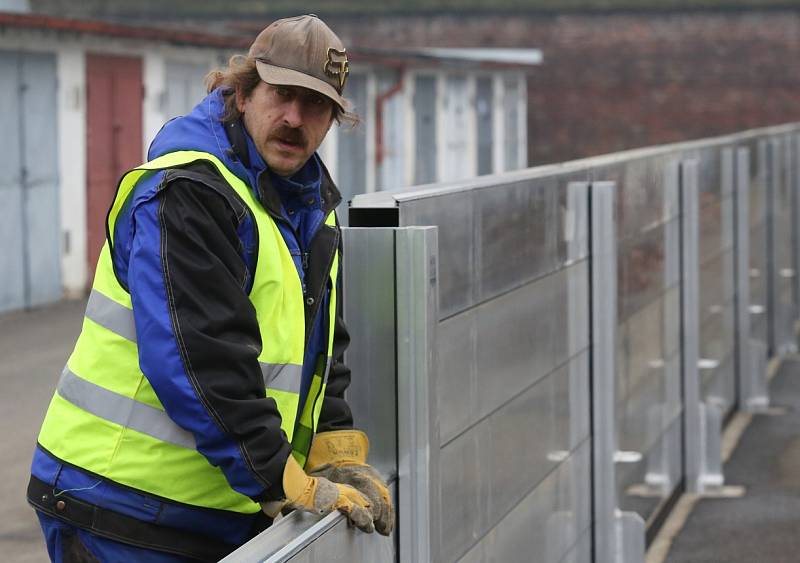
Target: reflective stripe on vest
{"x": 105, "y": 416}
{"x": 110, "y": 406}
{"x": 119, "y": 320}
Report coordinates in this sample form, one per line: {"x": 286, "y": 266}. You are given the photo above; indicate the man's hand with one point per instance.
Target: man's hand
{"x": 340, "y": 456}
{"x": 320, "y": 496}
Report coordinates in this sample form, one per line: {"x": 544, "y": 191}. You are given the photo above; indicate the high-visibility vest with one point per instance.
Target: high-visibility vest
{"x": 105, "y": 417}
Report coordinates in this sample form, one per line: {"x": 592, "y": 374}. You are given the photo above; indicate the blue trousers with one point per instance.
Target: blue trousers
{"x": 68, "y": 544}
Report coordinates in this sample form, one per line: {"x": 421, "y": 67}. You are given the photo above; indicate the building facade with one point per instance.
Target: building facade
{"x": 81, "y": 101}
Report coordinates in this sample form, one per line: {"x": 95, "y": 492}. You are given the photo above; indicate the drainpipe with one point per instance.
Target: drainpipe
{"x": 379, "y": 101}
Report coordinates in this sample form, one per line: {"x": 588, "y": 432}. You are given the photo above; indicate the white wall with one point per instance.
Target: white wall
{"x": 153, "y": 76}
{"x": 72, "y": 166}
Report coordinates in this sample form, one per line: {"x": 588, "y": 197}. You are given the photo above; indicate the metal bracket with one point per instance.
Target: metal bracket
{"x": 754, "y": 388}
{"x": 710, "y": 476}
{"x": 629, "y": 529}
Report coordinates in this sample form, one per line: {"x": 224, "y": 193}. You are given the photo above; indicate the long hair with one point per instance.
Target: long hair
{"x": 241, "y": 74}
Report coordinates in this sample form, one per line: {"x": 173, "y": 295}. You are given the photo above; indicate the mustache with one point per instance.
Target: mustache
{"x": 289, "y": 134}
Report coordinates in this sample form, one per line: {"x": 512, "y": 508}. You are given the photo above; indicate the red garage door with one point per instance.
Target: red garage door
{"x": 114, "y": 136}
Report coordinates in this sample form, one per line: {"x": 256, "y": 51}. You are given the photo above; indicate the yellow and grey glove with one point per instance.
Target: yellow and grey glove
{"x": 341, "y": 457}
{"x": 320, "y": 496}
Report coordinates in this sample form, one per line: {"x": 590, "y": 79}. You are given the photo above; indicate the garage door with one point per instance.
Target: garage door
{"x": 185, "y": 87}
{"x": 114, "y": 136}
{"x": 29, "y": 215}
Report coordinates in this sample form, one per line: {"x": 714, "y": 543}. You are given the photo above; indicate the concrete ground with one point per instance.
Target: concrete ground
{"x": 34, "y": 347}
{"x": 762, "y": 525}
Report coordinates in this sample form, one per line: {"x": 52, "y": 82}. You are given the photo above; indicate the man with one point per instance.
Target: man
{"x": 185, "y": 418}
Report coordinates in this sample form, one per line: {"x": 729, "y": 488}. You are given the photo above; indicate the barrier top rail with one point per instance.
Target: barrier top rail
{"x": 285, "y": 539}
{"x": 390, "y": 198}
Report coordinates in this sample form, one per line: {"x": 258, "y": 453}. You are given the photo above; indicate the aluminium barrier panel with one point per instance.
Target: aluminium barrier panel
{"x": 513, "y": 367}
{"x": 555, "y": 344}
{"x": 649, "y": 395}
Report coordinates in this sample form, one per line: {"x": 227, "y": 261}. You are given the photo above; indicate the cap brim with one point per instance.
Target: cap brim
{"x": 280, "y": 76}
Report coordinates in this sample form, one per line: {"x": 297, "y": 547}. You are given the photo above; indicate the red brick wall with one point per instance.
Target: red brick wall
{"x": 616, "y": 81}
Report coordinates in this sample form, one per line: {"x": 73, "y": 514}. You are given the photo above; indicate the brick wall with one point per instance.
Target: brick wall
{"x": 624, "y": 80}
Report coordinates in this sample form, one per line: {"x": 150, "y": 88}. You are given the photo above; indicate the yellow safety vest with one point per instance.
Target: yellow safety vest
{"x": 105, "y": 417}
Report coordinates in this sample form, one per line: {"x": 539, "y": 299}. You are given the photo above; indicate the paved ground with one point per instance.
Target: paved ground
{"x": 33, "y": 349}
{"x": 762, "y": 526}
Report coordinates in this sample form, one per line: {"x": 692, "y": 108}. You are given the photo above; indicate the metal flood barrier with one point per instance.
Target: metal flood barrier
{"x": 545, "y": 359}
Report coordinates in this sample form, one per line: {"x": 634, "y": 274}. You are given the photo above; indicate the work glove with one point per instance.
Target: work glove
{"x": 341, "y": 456}
{"x": 320, "y": 496}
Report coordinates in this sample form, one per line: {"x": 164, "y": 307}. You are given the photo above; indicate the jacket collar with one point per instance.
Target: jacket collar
{"x": 268, "y": 194}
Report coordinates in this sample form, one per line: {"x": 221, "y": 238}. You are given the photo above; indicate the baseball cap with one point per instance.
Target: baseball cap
{"x": 302, "y": 51}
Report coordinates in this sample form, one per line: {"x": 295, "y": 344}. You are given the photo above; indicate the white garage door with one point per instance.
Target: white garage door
{"x": 30, "y": 267}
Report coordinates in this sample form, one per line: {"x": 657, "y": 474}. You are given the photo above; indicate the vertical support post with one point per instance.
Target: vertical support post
{"x": 795, "y": 191}
{"x": 703, "y": 464}
{"x": 787, "y": 273}
{"x": 577, "y": 229}
{"x": 417, "y": 418}
{"x": 604, "y": 314}
{"x": 774, "y": 178}
{"x": 751, "y": 356}
{"x": 619, "y": 537}
{"x": 690, "y": 298}
{"x": 794, "y": 187}
{"x": 742, "y": 254}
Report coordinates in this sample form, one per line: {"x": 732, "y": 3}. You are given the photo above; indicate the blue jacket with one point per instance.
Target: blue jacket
{"x": 185, "y": 247}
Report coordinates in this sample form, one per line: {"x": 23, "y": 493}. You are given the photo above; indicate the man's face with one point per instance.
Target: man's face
{"x": 287, "y": 124}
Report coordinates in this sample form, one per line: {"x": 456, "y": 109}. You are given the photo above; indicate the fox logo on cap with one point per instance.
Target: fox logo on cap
{"x": 337, "y": 66}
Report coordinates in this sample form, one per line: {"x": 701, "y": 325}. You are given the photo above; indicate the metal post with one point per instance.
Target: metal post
{"x": 703, "y": 466}
{"x": 795, "y": 198}
{"x": 787, "y": 270}
{"x": 774, "y": 178}
{"x": 751, "y": 354}
{"x": 794, "y": 186}
{"x": 619, "y": 536}
{"x": 690, "y": 291}
{"x": 604, "y": 314}
{"x": 417, "y": 416}
{"x": 741, "y": 197}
